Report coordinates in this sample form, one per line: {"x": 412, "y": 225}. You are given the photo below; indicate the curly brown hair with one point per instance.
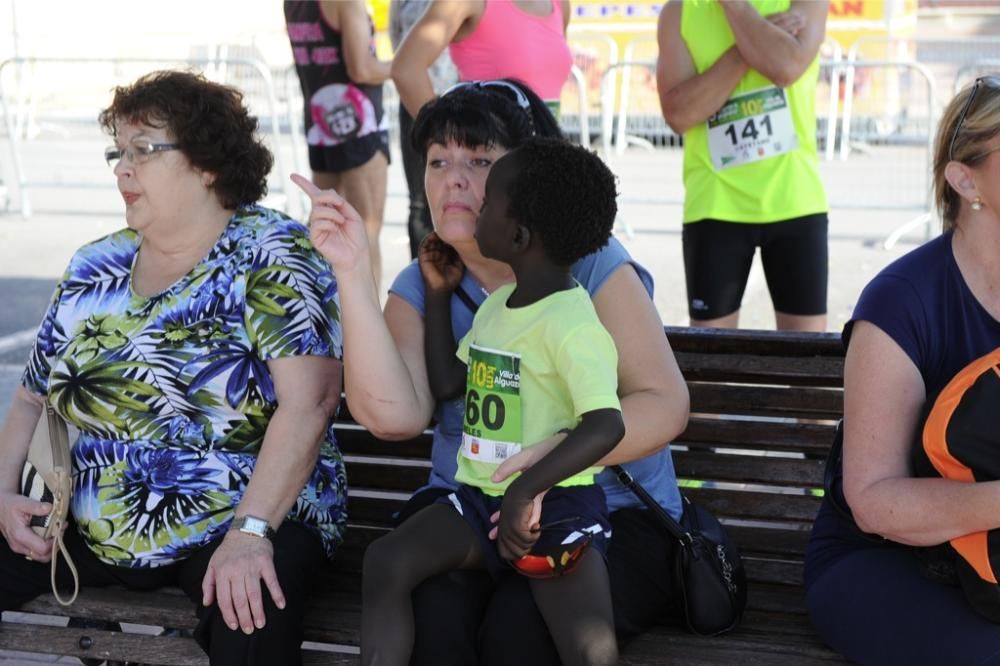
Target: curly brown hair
{"x": 209, "y": 122}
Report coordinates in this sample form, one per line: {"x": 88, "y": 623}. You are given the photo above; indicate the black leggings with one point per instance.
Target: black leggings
{"x": 463, "y": 618}
{"x": 298, "y": 554}
{"x": 418, "y": 224}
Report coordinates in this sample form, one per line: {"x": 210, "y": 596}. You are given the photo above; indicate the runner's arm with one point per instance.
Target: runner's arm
{"x": 772, "y": 51}
{"x": 686, "y": 97}
{"x": 352, "y": 18}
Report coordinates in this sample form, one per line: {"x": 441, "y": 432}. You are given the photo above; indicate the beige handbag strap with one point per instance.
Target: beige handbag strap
{"x": 62, "y": 466}
{"x": 58, "y": 544}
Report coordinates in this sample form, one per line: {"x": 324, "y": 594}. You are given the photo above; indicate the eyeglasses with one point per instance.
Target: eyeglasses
{"x": 519, "y": 97}
{"x": 989, "y": 81}
{"x": 561, "y": 558}
{"x": 138, "y": 151}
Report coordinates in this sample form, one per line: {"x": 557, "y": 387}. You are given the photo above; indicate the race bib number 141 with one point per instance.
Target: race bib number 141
{"x": 751, "y": 127}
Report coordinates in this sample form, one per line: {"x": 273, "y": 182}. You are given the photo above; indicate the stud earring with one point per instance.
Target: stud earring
{"x": 977, "y": 205}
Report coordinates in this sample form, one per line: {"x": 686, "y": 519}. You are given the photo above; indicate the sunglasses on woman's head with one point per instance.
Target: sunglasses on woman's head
{"x": 519, "y": 97}
{"x": 982, "y": 81}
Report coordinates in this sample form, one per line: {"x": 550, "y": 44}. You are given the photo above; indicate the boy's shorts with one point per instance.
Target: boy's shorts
{"x": 569, "y": 515}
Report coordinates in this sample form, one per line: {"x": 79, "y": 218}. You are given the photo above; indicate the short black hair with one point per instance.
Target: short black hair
{"x": 473, "y": 116}
{"x": 209, "y": 122}
{"x": 564, "y": 194}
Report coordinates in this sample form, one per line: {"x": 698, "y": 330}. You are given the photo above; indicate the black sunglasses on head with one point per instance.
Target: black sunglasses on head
{"x": 987, "y": 81}
{"x": 504, "y": 86}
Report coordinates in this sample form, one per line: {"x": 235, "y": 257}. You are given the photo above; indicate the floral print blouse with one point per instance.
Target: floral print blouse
{"x": 172, "y": 393}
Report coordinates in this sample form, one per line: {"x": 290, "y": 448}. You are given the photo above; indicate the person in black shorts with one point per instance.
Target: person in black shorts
{"x": 718, "y": 256}
{"x": 738, "y": 81}
{"x": 345, "y": 124}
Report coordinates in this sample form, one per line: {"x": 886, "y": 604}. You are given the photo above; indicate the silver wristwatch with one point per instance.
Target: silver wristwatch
{"x": 253, "y": 525}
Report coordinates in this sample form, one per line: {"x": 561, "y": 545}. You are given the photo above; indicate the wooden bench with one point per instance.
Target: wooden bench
{"x": 763, "y": 411}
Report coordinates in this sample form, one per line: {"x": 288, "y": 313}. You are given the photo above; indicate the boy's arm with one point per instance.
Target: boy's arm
{"x": 597, "y": 433}
{"x": 442, "y": 271}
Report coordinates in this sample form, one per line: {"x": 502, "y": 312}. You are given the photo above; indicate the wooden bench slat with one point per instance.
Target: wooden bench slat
{"x": 812, "y": 438}
{"x": 743, "y": 341}
{"x": 166, "y": 608}
{"x": 112, "y": 645}
{"x": 748, "y": 504}
{"x": 803, "y": 402}
{"x": 749, "y": 369}
{"x": 739, "y": 647}
{"x": 782, "y": 572}
{"x": 351, "y": 440}
{"x": 774, "y": 542}
{"x": 770, "y": 470}
{"x": 372, "y": 509}
{"x": 383, "y": 475}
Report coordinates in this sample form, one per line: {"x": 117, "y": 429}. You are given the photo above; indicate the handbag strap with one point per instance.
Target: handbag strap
{"x": 62, "y": 468}
{"x": 676, "y": 529}
{"x": 59, "y": 545}
{"x": 467, "y": 301}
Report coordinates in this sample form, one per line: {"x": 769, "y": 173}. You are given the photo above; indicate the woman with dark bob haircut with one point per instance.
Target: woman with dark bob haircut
{"x": 466, "y": 617}
{"x": 197, "y": 351}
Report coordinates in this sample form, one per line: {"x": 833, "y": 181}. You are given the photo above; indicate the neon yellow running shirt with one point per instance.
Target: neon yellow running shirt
{"x": 755, "y": 160}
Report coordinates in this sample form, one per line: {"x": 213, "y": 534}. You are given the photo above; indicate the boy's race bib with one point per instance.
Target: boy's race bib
{"x": 751, "y": 127}
{"x": 491, "y": 431}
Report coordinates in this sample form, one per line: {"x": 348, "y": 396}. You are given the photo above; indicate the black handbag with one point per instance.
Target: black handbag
{"x": 707, "y": 568}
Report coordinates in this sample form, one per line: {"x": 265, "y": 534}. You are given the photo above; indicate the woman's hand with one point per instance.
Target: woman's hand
{"x": 440, "y": 265}
{"x": 335, "y": 228}
{"x": 233, "y": 580}
{"x": 16, "y": 511}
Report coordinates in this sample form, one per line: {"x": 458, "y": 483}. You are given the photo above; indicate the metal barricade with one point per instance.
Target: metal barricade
{"x": 944, "y": 58}
{"x": 886, "y": 144}
{"x": 122, "y": 70}
{"x": 649, "y": 130}
{"x": 613, "y": 125}
{"x": 890, "y": 174}
{"x": 583, "y": 125}
{"x": 831, "y": 53}
{"x": 640, "y": 50}
{"x": 593, "y": 53}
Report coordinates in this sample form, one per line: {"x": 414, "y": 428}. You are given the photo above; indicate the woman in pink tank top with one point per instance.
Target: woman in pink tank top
{"x": 487, "y": 39}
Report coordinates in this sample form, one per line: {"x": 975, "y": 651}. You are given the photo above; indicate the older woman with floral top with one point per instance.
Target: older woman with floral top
{"x": 198, "y": 353}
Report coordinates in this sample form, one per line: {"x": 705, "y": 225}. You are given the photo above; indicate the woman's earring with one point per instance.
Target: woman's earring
{"x": 977, "y": 205}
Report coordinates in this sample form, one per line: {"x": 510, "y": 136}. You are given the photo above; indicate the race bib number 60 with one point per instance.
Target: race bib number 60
{"x": 751, "y": 127}
{"x": 491, "y": 431}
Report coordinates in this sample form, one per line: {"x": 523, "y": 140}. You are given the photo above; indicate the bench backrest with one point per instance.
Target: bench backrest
{"x": 764, "y": 407}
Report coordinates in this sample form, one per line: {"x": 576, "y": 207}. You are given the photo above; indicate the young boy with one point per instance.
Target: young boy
{"x": 536, "y": 361}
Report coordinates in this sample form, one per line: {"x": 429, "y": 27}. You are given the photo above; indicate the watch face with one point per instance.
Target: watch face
{"x": 254, "y": 526}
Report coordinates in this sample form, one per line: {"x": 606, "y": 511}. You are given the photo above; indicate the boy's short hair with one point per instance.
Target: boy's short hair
{"x": 565, "y": 195}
